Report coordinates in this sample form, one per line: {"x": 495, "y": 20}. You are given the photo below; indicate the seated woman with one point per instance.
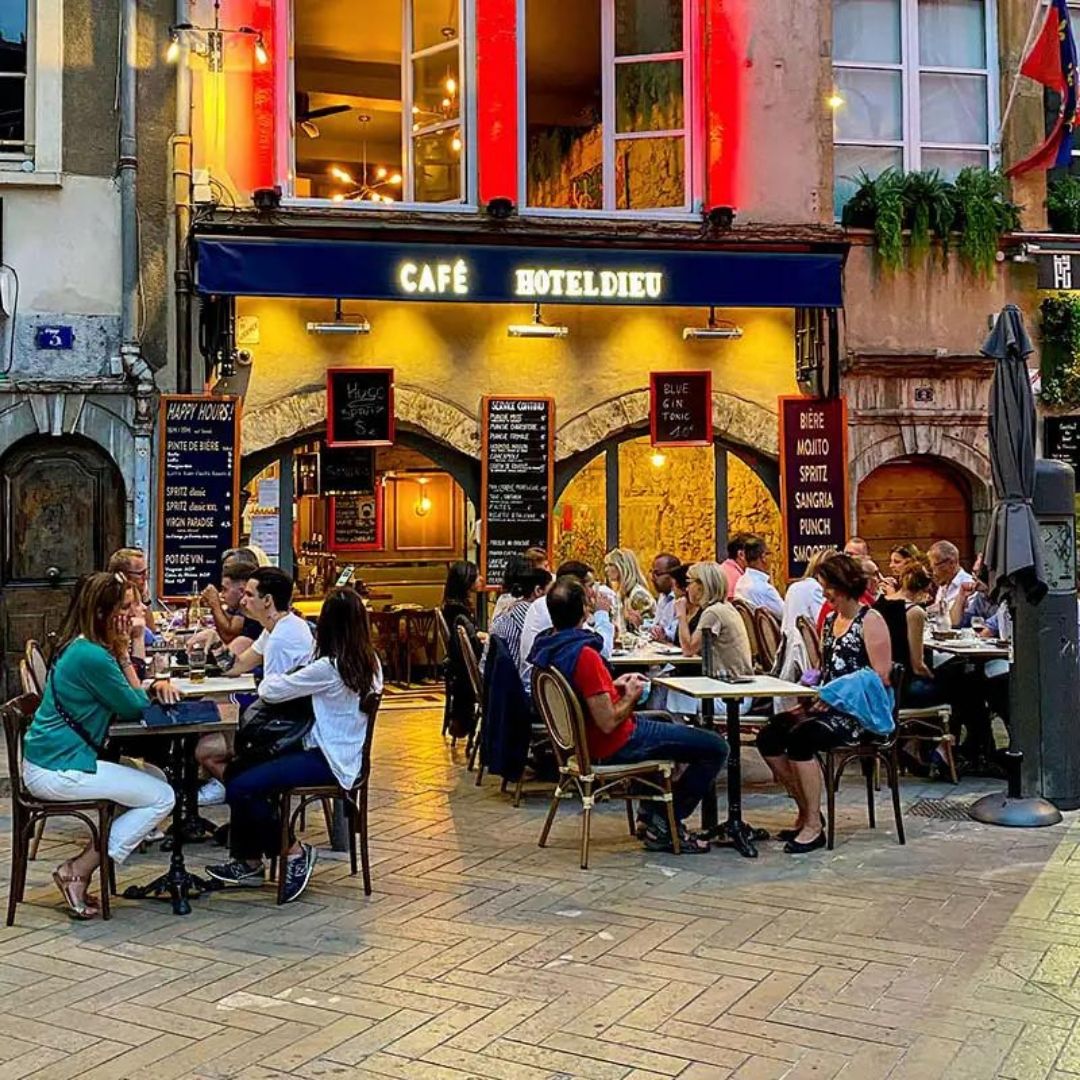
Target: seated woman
{"x": 343, "y": 673}
{"x": 855, "y": 637}
{"x": 623, "y": 574}
{"x": 902, "y": 558}
{"x": 459, "y": 609}
{"x": 91, "y": 681}
{"x": 516, "y": 565}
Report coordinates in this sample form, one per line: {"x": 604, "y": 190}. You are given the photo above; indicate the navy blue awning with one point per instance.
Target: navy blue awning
{"x": 477, "y": 273}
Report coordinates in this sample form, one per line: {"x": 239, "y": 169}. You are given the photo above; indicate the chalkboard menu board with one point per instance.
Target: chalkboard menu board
{"x": 199, "y": 484}
{"x": 356, "y": 522}
{"x": 517, "y": 465}
{"x": 360, "y": 407}
{"x": 680, "y": 408}
{"x": 813, "y": 478}
{"x": 1061, "y": 440}
{"x": 347, "y": 472}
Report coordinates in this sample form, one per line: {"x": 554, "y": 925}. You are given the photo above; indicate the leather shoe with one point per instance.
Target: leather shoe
{"x": 790, "y": 834}
{"x": 793, "y": 847}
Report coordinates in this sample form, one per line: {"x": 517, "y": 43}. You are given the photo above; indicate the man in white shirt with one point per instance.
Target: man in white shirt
{"x": 285, "y": 644}
{"x": 754, "y": 586}
{"x": 947, "y": 572}
{"x": 665, "y": 625}
{"x": 539, "y": 619}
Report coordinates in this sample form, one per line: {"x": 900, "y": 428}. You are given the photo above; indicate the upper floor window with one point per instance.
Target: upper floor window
{"x": 915, "y": 87}
{"x": 380, "y": 109}
{"x": 16, "y": 87}
{"x": 606, "y": 105}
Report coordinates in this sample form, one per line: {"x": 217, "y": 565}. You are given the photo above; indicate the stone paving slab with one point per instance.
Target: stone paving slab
{"x": 480, "y": 955}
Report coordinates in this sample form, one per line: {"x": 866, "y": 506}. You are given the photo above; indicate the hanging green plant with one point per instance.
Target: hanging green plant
{"x": 929, "y": 200}
{"x": 1060, "y": 359}
{"x": 878, "y": 203}
{"x": 1063, "y": 204}
{"x": 984, "y": 213}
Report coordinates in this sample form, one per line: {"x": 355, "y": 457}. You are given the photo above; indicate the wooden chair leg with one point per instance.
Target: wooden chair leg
{"x": 517, "y": 790}
{"x": 328, "y": 817}
{"x": 830, "y": 799}
{"x": 39, "y": 831}
{"x": 365, "y": 863}
{"x": 950, "y": 760}
{"x": 284, "y": 811}
{"x": 673, "y": 825}
{"x": 552, "y": 810}
{"x": 303, "y": 817}
{"x": 869, "y": 769}
{"x": 105, "y": 872}
{"x": 586, "y": 823}
{"x": 630, "y": 817}
{"x": 352, "y": 817}
{"x": 20, "y": 850}
{"x": 892, "y": 767}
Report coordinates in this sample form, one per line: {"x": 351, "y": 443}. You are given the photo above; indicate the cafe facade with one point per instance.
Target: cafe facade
{"x": 530, "y": 233}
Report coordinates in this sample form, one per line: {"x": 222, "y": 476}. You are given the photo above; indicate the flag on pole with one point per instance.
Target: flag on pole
{"x": 1052, "y": 62}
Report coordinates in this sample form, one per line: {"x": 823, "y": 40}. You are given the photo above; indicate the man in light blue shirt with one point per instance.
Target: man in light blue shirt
{"x": 665, "y": 625}
{"x": 754, "y": 586}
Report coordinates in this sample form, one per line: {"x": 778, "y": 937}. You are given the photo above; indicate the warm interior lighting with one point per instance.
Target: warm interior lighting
{"x": 172, "y": 53}
{"x": 455, "y": 144}
{"x": 261, "y": 55}
{"x": 451, "y": 86}
{"x": 713, "y": 330}
{"x": 380, "y": 173}
{"x": 342, "y": 324}
{"x": 310, "y": 129}
{"x": 339, "y": 173}
{"x": 396, "y": 179}
{"x": 337, "y": 197}
{"x": 834, "y": 101}
{"x": 446, "y": 103}
{"x": 537, "y": 328}
{"x": 658, "y": 459}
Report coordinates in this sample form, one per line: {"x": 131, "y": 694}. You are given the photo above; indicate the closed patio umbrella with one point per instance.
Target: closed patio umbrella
{"x": 1014, "y": 554}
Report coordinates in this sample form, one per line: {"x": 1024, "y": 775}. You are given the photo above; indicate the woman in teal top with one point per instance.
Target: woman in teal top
{"x": 91, "y": 682}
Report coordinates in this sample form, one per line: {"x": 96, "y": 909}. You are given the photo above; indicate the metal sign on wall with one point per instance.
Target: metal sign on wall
{"x": 1059, "y": 271}
{"x": 813, "y": 478}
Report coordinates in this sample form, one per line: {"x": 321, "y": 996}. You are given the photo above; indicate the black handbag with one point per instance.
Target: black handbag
{"x": 268, "y": 731}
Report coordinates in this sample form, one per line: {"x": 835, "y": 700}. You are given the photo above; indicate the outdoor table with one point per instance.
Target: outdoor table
{"x": 652, "y": 655}
{"x": 979, "y": 649}
{"x": 176, "y": 883}
{"x": 707, "y": 691}
{"x": 215, "y": 687}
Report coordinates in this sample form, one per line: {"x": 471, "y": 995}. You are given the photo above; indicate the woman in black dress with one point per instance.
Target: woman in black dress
{"x": 855, "y": 637}
{"x": 459, "y": 609}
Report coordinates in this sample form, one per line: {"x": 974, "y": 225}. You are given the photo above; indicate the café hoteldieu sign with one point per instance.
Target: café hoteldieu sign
{"x": 497, "y": 273}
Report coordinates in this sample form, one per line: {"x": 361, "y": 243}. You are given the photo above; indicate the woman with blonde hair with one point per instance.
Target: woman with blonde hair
{"x": 623, "y": 573}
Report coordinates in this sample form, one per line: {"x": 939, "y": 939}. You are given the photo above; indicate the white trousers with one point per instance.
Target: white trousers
{"x": 148, "y": 797}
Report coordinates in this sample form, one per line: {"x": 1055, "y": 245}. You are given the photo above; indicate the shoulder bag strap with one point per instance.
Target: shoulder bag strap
{"x": 66, "y": 716}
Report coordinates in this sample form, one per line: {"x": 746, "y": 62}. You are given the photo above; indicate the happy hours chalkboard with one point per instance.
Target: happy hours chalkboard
{"x": 517, "y": 472}
{"x": 813, "y": 478}
{"x": 360, "y": 407}
{"x": 1061, "y": 440}
{"x": 356, "y": 522}
{"x": 347, "y": 472}
{"x": 199, "y": 483}
{"x": 680, "y": 408}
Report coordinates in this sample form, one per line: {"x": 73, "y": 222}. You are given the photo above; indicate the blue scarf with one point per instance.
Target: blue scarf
{"x": 560, "y": 649}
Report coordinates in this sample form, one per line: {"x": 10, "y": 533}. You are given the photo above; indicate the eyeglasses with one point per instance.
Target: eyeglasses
{"x": 136, "y": 573}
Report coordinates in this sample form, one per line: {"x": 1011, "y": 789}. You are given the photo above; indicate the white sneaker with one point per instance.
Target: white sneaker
{"x": 212, "y": 793}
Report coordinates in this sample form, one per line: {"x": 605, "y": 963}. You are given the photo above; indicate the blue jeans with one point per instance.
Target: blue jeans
{"x": 254, "y": 828}
{"x": 703, "y": 752}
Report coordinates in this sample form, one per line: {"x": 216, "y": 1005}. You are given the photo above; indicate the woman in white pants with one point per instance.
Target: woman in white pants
{"x": 92, "y": 681}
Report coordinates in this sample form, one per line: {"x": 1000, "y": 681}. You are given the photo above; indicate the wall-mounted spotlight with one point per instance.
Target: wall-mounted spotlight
{"x": 537, "y": 328}
{"x": 342, "y": 324}
{"x": 713, "y": 330}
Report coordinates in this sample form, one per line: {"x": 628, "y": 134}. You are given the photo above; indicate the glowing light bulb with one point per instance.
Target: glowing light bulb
{"x": 455, "y": 144}
{"x": 451, "y": 86}
{"x": 337, "y": 197}
{"x": 340, "y": 174}
{"x": 261, "y": 55}
{"x": 834, "y": 101}
{"x": 416, "y": 110}
{"x": 446, "y": 103}
{"x": 658, "y": 459}
{"x": 380, "y": 173}
{"x": 396, "y": 179}
{"x": 172, "y": 53}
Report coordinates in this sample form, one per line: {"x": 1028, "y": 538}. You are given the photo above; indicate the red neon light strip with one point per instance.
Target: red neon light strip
{"x": 496, "y": 99}
{"x": 722, "y": 62}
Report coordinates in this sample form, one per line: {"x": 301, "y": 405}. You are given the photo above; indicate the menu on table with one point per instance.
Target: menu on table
{"x": 680, "y": 408}
{"x": 813, "y": 478}
{"x": 517, "y": 475}
{"x": 360, "y": 407}
{"x": 199, "y": 482}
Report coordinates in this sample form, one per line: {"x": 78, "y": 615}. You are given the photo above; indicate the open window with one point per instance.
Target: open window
{"x": 607, "y": 105}
{"x": 380, "y": 103}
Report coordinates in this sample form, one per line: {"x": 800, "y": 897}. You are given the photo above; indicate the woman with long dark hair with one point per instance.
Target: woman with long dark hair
{"x": 91, "y": 681}
{"x": 342, "y": 674}
{"x": 459, "y": 609}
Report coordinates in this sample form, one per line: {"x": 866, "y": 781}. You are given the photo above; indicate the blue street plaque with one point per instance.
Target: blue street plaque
{"x": 54, "y": 337}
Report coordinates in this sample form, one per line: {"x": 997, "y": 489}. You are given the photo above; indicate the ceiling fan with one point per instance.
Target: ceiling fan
{"x": 306, "y": 116}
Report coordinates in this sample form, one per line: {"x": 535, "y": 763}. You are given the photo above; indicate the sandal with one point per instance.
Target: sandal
{"x": 657, "y": 837}
{"x": 78, "y": 907}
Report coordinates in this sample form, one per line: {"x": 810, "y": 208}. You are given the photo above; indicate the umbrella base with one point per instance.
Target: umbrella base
{"x": 1000, "y": 809}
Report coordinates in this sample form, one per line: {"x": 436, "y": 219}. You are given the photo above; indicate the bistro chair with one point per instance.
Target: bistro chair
{"x": 565, "y": 722}
{"x": 386, "y": 626}
{"x": 420, "y": 635}
{"x": 476, "y": 684}
{"x": 35, "y": 661}
{"x": 767, "y": 629}
{"x": 869, "y": 752}
{"x": 811, "y": 641}
{"x": 929, "y": 725}
{"x": 27, "y": 811}
{"x": 26, "y": 682}
{"x": 443, "y": 633}
{"x": 746, "y": 613}
{"x": 354, "y": 799}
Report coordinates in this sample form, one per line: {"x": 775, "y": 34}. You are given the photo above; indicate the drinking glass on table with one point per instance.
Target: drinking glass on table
{"x": 978, "y": 625}
{"x": 197, "y": 663}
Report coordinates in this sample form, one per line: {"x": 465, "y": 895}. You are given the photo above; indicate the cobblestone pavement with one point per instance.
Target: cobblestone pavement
{"x": 480, "y": 955}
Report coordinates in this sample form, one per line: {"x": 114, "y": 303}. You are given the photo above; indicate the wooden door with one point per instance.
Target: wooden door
{"x": 918, "y": 500}
{"x": 63, "y": 514}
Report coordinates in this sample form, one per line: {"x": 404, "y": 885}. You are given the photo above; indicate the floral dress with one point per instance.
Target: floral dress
{"x": 842, "y": 656}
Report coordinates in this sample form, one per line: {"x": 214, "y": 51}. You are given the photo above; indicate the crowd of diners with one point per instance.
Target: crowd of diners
{"x": 100, "y": 673}
{"x": 868, "y": 620}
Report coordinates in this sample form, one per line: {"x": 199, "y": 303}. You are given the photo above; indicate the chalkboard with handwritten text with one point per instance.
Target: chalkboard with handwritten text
{"x": 359, "y": 407}
{"x": 356, "y": 522}
{"x": 680, "y": 408}
{"x": 347, "y": 472}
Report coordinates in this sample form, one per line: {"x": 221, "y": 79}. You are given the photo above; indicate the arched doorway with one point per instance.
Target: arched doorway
{"x": 63, "y": 509}
{"x": 916, "y": 500}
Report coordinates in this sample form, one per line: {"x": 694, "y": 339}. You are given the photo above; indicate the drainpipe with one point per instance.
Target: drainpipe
{"x": 131, "y": 356}
{"x": 182, "y": 195}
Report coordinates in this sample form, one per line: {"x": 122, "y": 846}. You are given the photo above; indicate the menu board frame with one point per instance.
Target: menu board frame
{"x": 1052, "y": 426}
{"x": 796, "y": 568}
{"x": 162, "y": 449}
{"x": 379, "y": 543}
{"x": 326, "y": 487}
{"x": 654, "y": 407}
{"x": 485, "y": 414}
{"x": 331, "y": 438}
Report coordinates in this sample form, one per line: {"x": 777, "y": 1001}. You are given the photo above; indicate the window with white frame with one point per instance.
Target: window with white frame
{"x": 16, "y": 87}
{"x": 606, "y": 105}
{"x": 915, "y": 87}
{"x": 380, "y": 103}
